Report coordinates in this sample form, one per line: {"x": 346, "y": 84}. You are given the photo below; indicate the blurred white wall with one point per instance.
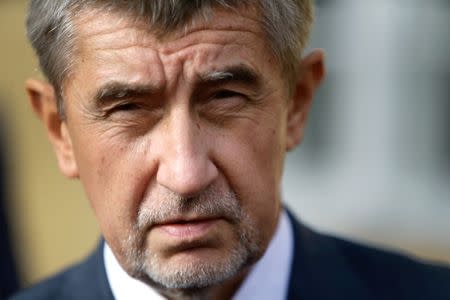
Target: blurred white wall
{"x": 375, "y": 162}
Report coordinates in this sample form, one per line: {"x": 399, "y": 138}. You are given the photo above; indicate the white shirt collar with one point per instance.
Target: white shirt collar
{"x": 123, "y": 286}
{"x": 268, "y": 279}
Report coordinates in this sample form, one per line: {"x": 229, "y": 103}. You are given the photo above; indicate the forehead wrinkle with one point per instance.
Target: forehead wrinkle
{"x": 217, "y": 27}
{"x": 144, "y": 40}
{"x": 137, "y": 33}
{"x": 95, "y": 19}
{"x": 111, "y": 31}
{"x": 220, "y": 17}
{"x": 220, "y": 36}
{"x": 98, "y": 22}
{"x": 119, "y": 39}
{"x": 110, "y": 22}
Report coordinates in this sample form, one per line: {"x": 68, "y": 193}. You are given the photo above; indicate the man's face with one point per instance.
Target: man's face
{"x": 179, "y": 144}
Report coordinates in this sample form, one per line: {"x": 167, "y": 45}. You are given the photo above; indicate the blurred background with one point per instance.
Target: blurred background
{"x": 374, "y": 165}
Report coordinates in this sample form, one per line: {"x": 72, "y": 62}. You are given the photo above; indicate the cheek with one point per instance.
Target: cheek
{"x": 252, "y": 162}
{"x": 114, "y": 173}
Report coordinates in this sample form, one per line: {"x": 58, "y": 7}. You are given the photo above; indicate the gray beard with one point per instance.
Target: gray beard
{"x": 192, "y": 280}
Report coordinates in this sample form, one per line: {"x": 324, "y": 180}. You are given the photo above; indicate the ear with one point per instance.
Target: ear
{"x": 43, "y": 101}
{"x": 311, "y": 74}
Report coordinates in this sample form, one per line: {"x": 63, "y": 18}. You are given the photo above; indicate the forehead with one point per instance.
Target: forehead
{"x": 110, "y": 45}
{"x": 114, "y": 29}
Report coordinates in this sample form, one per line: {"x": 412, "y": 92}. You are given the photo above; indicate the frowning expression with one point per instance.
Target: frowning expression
{"x": 179, "y": 143}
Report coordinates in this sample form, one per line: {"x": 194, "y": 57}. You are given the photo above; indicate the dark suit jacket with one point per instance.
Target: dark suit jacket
{"x": 324, "y": 267}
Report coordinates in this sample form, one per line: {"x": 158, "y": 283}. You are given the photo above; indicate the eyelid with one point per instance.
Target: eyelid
{"x": 121, "y": 106}
{"x": 226, "y": 93}
{"x": 126, "y": 105}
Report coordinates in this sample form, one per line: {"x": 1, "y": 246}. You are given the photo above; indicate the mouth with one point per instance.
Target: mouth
{"x": 187, "y": 228}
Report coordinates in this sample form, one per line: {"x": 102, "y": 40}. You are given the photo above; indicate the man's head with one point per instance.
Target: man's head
{"x": 177, "y": 116}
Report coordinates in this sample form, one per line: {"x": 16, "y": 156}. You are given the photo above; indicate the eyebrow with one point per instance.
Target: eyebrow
{"x": 241, "y": 74}
{"x": 112, "y": 91}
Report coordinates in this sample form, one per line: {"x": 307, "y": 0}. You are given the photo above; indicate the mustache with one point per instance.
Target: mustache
{"x": 211, "y": 203}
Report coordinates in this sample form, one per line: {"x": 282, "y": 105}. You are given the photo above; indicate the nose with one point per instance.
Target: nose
{"x": 185, "y": 166}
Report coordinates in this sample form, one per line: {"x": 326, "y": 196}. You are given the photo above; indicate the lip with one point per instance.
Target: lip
{"x": 190, "y": 229}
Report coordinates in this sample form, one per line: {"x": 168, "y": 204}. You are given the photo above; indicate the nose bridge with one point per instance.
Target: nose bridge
{"x": 186, "y": 137}
{"x": 185, "y": 165}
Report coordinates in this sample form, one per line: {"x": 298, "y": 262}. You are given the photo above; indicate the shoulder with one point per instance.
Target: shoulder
{"x": 85, "y": 280}
{"x": 352, "y": 270}
{"x": 389, "y": 271}
{"x": 325, "y": 267}
{"x": 50, "y": 288}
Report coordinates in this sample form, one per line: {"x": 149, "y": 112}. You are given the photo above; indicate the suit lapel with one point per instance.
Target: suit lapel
{"x": 318, "y": 270}
{"x": 89, "y": 281}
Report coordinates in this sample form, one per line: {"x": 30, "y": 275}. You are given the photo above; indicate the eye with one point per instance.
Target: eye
{"x": 127, "y": 107}
{"x": 223, "y": 94}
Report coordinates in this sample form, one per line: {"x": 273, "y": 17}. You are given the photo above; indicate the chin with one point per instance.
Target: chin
{"x": 197, "y": 268}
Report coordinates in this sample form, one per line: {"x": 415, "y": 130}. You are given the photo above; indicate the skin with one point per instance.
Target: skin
{"x": 178, "y": 135}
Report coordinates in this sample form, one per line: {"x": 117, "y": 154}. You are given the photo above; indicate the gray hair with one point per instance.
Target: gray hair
{"x": 50, "y": 27}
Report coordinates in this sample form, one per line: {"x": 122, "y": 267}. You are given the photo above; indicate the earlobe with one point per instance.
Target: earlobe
{"x": 44, "y": 103}
{"x": 311, "y": 74}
